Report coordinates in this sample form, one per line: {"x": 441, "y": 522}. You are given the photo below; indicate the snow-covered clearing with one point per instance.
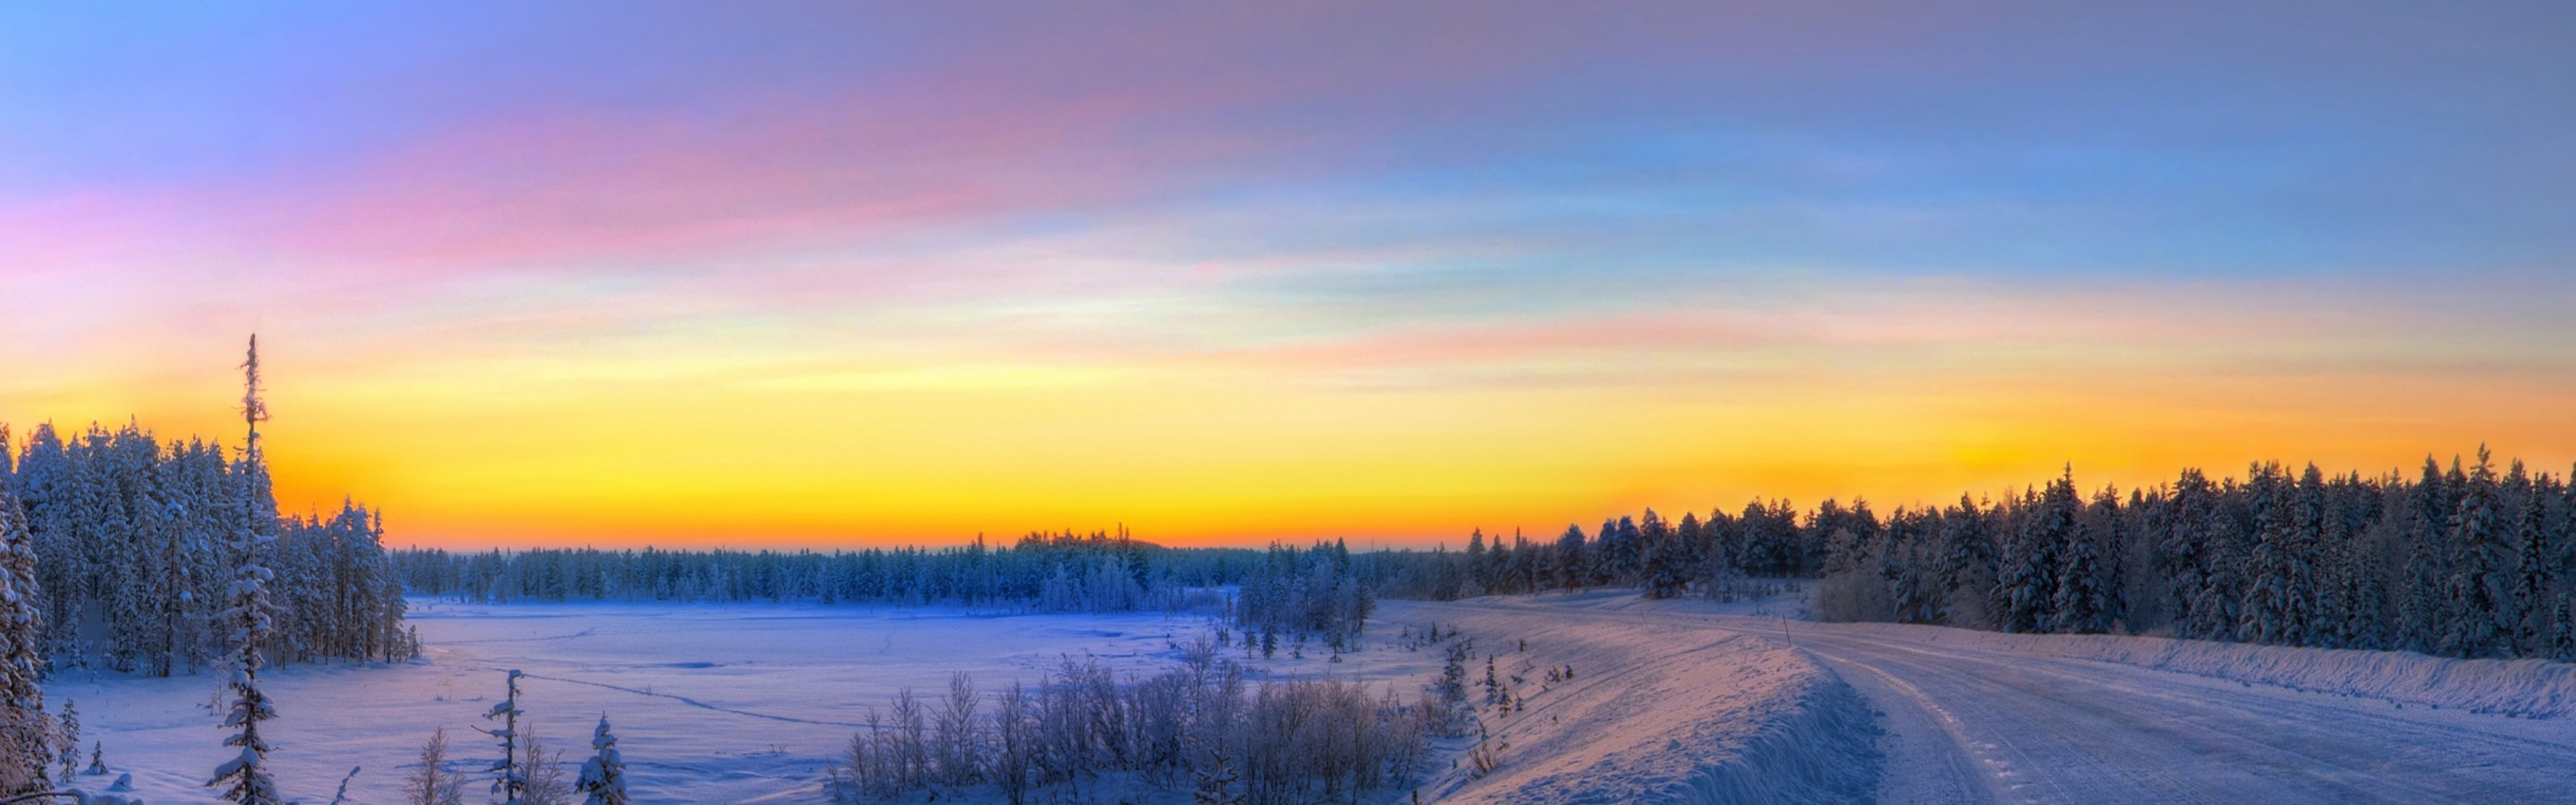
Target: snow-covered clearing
{"x": 712, "y": 703}
{"x": 1671, "y": 701}
{"x": 747, "y": 703}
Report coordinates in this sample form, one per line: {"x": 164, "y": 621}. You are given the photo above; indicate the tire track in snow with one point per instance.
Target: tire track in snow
{"x": 2085, "y": 730}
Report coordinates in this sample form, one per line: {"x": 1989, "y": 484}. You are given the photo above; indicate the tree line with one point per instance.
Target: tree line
{"x": 2468, "y": 560}
{"x": 1097, "y": 572}
{"x": 123, "y": 552}
{"x": 2461, "y": 562}
{"x": 1727, "y": 555}
{"x": 130, "y": 535}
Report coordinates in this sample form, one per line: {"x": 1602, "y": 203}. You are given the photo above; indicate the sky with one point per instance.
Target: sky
{"x": 842, "y": 274}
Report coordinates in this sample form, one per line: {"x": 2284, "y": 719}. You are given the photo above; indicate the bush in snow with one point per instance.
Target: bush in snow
{"x": 1198, "y": 727}
{"x": 433, "y": 783}
{"x": 603, "y": 776}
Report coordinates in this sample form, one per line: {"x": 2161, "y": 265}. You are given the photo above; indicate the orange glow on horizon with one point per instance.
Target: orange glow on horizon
{"x": 1184, "y": 455}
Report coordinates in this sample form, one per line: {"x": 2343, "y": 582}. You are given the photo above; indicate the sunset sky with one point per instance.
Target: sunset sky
{"x": 840, "y": 273}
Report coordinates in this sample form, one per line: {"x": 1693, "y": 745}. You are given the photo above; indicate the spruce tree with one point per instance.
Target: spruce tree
{"x": 509, "y": 777}
{"x": 69, "y": 731}
{"x": 2225, "y": 530}
{"x": 2082, "y": 599}
{"x": 2275, "y": 609}
{"x": 250, "y": 619}
{"x": 245, "y": 777}
{"x": 603, "y": 776}
{"x": 2481, "y": 580}
{"x": 26, "y": 736}
{"x": 2032, "y": 558}
{"x": 1967, "y": 564}
{"x": 2425, "y": 580}
{"x": 2181, "y": 549}
{"x": 2533, "y": 617}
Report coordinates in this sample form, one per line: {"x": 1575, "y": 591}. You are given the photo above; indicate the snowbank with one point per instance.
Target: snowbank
{"x": 2521, "y": 688}
{"x": 1657, "y": 713}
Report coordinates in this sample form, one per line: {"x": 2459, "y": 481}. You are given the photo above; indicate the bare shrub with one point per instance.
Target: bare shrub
{"x": 1196, "y": 726}
{"x": 956, "y": 731}
{"x": 432, "y": 783}
{"x": 549, "y": 783}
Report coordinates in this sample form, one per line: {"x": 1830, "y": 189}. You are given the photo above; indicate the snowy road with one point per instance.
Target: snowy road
{"x": 1966, "y": 726}
{"x": 1971, "y": 725}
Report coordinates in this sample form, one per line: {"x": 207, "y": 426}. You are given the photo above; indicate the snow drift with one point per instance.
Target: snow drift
{"x": 1661, "y": 714}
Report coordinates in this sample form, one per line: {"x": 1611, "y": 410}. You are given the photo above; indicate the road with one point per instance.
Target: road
{"x": 1966, "y": 725}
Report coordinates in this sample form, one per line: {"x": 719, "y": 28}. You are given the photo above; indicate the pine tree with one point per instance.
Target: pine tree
{"x": 2425, "y": 580}
{"x": 2108, "y": 527}
{"x": 2228, "y": 534}
{"x": 2083, "y": 592}
{"x": 1570, "y": 559}
{"x": 26, "y": 737}
{"x": 251, "y": 618}
{"x": 2181, "y": 549}
{"x": 2032, "y": 557}
{"x": 1968, "y": 564}
{"x": 2481, "y": 570}
{"x": 509, "y": 779}
{"x": 603, "y": 777}
{"x": 69, "y": 729}
{"x": 2276, "y": 602}
{"x": 2534, "y": 617}
{"x": 246, "y": 775}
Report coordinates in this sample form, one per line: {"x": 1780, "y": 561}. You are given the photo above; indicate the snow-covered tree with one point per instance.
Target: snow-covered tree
{"x": 509, "y": 778}
{"x": 2083, "y": 598}
{"x": 1968, "y": 563}
{"x": 2032, "y": 557}
{"x": 26, "y": 733}
{"x": 250, "y": 618}
{"x": 68, "y": 729}
{"x": 245, "y": 777}
{"x": 603, "y": 776}
{"x": 2424, "y": 582}
{"x": 2481, "y": 569}
{"x": 2276, "y": 606}
{"x": 2533, "y": 614}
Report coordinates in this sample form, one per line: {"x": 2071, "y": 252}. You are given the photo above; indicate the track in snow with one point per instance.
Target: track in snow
{"x": 1968, "y": 725}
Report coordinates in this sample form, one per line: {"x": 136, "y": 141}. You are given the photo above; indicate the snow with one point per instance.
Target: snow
{"x": 1680, "y": 701}
{"x": 2521, "y": 688}
{"x": 1658, "y": 712}
{"x": 746, "y": 703}
{"x": 712, "y": 703}
{"x": 1982, "y": 717}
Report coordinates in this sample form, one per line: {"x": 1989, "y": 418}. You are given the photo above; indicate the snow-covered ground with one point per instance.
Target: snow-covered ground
{"x": 1671, "y": 701}
{"x": 1980, "y": 717}
{"x": 711, "y": 703}
{"x": 747, "y": 703}
{"x": 1658, "y": 710}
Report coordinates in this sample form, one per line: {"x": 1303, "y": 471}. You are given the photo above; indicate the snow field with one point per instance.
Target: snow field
{"x": 711, "y": 703}
{"x": 747, "y": 703}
